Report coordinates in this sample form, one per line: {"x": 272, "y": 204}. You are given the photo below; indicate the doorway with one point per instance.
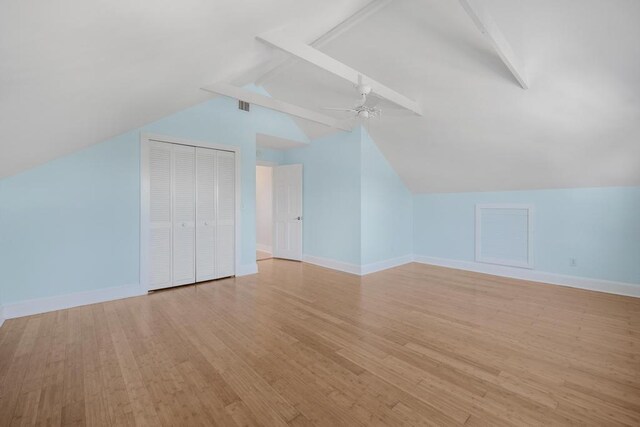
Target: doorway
{"x": 279, "y": 212}
{"x": 264, "y": 212}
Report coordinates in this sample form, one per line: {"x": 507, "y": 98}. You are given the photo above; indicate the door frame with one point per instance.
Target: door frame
{"x": 145, "y": 138}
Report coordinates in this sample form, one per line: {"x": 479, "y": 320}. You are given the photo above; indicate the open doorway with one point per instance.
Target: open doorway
{"x": 264, "y": 212}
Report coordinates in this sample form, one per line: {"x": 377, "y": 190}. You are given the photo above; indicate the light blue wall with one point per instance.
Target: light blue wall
{"x": 331, "y": 186}
{"x": 599, "y": 227}
{"x": 356, "y": 208}
{"x": 73, "y": 224}
{"x": 387, "y": 204}
{"x": 272, "y": 156}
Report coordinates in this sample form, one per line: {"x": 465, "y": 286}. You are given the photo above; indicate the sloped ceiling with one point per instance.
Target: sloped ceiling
{"x": 577, "y": 126}
{"x": 77, "y": 72}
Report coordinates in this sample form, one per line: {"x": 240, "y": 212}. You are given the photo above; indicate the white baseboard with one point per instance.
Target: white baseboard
{"x": 264, "y": 248}
{"x": 60, "y": 302}
{"x": 247, "y": 269}
{"x": 608, "y": 286}
{"x": 43, "y": 305}
{"x": 386, "y": 264}
{"x": 360, "y": 270}
{"x": 332, "y": 264}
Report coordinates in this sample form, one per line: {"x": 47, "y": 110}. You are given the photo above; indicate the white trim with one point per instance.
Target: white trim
{"x": 182, "y": 141}
{"x": 332, "y": 264}
{"x": 247, "y": 269}
{"x": 61, "y": 302}
{"x": 274, "y": 104}
{"x": 608, "y": 286}
{"x": 264, "y": 248}
{"x": 386, "y": 264}
{"x": 280, "y": 40}
{"x": 478, "y": 234}
{"x": 490, "y": 29}
{"x": 144, "y": 196}
{"x": 280, "y": 64}
{"x": 266, "y": 163}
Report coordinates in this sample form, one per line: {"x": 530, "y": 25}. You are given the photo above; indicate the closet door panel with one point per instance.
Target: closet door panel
{"x": 225, "y": 224}
{"x": 160, "y": 159}
{"x": 205, "y": 213}
{"x": 184, "y": 166}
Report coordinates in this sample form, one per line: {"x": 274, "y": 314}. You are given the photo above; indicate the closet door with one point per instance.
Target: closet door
{"x": 225, "y": 210}
{"x": 206, "y": 181}
{"x": 184, "y": 195}
{"x": 160, "y": 161}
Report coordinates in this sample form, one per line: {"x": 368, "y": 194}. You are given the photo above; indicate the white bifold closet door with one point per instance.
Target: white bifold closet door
{"x": 191, "y": 214}
{"x": 184, "y": 200}
{"x": 160, "y": 217}
{"x": 206, "y": 190}
{"x": 225, "y": 210}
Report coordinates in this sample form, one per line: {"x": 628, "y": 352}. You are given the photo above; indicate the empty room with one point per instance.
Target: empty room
{"x": 327, "y": 213}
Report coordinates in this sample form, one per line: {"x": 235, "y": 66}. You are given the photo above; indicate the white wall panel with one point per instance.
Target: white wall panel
{"x": 504, "y": 234}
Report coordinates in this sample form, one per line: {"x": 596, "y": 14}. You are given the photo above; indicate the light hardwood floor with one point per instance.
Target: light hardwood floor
{"x": 303, "y": 345}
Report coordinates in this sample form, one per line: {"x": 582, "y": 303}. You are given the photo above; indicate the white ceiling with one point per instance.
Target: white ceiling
{"x": 578, "y": 125}
{"x": 76, "y": 72}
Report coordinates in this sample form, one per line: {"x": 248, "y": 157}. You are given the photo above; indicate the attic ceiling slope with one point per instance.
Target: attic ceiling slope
{"x": 578, "y": 124}
{"x": 74, "y": 73}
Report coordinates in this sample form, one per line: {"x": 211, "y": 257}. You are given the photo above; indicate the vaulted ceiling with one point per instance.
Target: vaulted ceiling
{"x": 77, "y": 72}
{"x": 73, "y": 73}
{"x": 577, "y": 125}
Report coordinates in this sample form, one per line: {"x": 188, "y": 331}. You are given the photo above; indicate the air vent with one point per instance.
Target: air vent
{"x": 243, "y": 105}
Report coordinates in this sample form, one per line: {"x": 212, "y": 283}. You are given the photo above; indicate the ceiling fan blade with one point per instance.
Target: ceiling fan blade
{"x": 351, "y": 110}
{"x": 398, "y": 113}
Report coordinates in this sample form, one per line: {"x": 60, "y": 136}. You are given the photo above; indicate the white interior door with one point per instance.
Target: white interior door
{"x": 184, "y": 199}
{"x": 287, "y": 212}
{"x": 206, "y": 188}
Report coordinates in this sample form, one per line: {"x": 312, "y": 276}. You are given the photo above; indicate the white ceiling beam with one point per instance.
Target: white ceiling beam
{"x": 274, "y": 104}
{"x": 489, "y": 28}
{"x": 279, "y": 65}
{"x": 313, "y": 56}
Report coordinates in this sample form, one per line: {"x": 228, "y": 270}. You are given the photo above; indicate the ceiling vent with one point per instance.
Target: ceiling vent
{"x": 243, "y": 105}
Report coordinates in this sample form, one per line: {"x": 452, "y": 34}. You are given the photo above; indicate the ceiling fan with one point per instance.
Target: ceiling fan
{"x": 362, "y": 110}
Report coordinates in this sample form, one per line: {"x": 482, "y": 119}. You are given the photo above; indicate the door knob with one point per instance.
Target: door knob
{"x": 299, "y": 218}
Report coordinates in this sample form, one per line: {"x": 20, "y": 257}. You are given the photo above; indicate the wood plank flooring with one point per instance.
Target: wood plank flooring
{"x": 302, "y": 345}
